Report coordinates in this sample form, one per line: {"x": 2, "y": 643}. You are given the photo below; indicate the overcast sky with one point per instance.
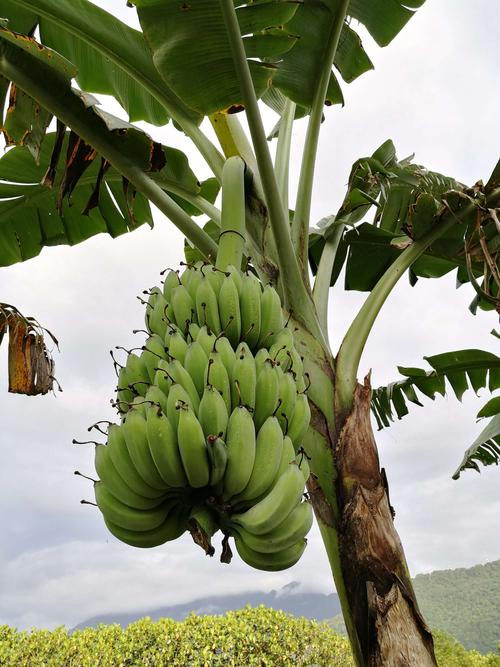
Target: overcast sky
{"x": 434, "y": 92}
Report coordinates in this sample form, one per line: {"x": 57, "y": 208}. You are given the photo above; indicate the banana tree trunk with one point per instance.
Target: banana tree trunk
{"x": 350, "y": 496}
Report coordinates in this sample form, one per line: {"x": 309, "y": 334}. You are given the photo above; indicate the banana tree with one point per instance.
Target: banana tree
{"x": 215, "y": 59}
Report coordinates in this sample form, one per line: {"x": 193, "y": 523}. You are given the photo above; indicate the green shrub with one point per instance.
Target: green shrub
{"x": 261, "y": 636}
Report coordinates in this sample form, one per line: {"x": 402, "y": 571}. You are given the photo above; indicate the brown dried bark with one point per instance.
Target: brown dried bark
{"x": 390, "y": 627}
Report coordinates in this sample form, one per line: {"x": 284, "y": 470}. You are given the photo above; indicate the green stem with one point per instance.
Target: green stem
{"x": 321, "y": 288}
{"x": 198, "y": 201}
{"x": 354, "y": 341}
{"x": 233, "y": 139}
{"x": 59, "y": 14}
{"x": 330, "y": 539}
{"x": 304, "y": 193}
{"x": 232, "y": 234}
{"x": 44, "y": 85}
{"x": 282, "y": 160}
{"x": 296, "y": 295}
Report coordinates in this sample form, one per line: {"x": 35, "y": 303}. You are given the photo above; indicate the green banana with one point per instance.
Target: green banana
{"x": 124, "y": 394}
{"x": 153, "y": 352}
{"x": 217, "y": 453}
{"x": 271, "y": 315}
{"x": 124, "y": 516}
{"x": 162, "y": 379}
{"x": 287, "y": 458}
{"x": 281, "y": 347}
{"x": 171, "y": 281}
{"x": 288, "y": 397}
{"x": 250, "y": 294}
{"x": 116, "y": 484}
{"x": 297, "y": 369}
{"x": 229, "y": 311}
{"x": 162, "y": 442}
{"x": 223, "y": 347}
{"x": 266, "y": 393}
{"x": 294, "y": 528}
{"x": 212, "y": 413}
{"x": 276, "y": 505}
{"x": 155, "y": 396}
{"x": 192, "y": 448}
{"x": 137, "y": 373}
{"x": 303, "y": 464}
{"x": 203, "y": 524}
{"x": 184, "y": 307}
{"x": 270, "y": 562}
{"x": 138, "y": 405}
{"x": 268, "y": 451}
{"x": 176, "y": 396}
{"x": 158, "y": 317}
{"x": 195, "y": 363}
{"x": 217, "y": 376}
{"x": 172, "y": 528}
{"x": 243, "y": 378}
{"x": 180, "y": 375}
{"x": 260, "y": 359}
{"x": 215, "y": 278}
{"x": 192, "y": 280}
{"x": 299, "y": 423}
{"x": 193, "y": 331}
{"x": 135, "y": 434}
{"x": 120, "y": 458}
{"x": 240, "y": 442}
{"x": 235, "y": 276}
{"x": 207, "y": 309}
{"x": 206, "y": 339}
{"x": 176, "y": 345}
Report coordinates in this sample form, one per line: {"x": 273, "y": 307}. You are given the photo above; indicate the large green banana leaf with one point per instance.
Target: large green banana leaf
{"x": 408, "y": 201}
{"x": 485, "y": 449}
{"x": 32, "y": 209}
{"x": 285, "y": 42}
{"x": 110, "y": 57}
{"x": 461, "y": 369}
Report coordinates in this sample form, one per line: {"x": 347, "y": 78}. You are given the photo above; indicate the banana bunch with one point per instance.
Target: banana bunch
{"x": 213, "y": 413}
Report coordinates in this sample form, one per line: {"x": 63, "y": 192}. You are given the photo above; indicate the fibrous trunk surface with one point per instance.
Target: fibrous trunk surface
{"x": 390, "y": 627}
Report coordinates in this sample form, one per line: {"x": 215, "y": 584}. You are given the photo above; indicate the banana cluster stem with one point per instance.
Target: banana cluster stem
{"x": 232, "y": 233}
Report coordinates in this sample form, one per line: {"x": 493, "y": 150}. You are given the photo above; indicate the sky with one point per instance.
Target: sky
{"x": 434, "y": 92}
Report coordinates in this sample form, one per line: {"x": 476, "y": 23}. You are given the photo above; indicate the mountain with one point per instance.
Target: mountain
{"x": 464, "y": 603}
{"x": 289, "y": 599}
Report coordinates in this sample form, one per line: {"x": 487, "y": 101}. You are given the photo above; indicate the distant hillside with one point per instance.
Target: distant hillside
{"x": 464, "y": 603}
{"x": 289, "y": 599}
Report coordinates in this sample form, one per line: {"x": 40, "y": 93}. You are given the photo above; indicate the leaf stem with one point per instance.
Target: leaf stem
{"x": 296, "y": 294}
{"x": 55, "y": 94}
{"x": 321, "y": 288}
{"x": 354, "y": 341}
{"x": 300, "y": 223}
{"x": 282, "y": 160}
{"x": 233, "y": 139}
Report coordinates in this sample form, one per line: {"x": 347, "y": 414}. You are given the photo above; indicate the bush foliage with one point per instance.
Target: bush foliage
{"x": 260, "y": 636}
